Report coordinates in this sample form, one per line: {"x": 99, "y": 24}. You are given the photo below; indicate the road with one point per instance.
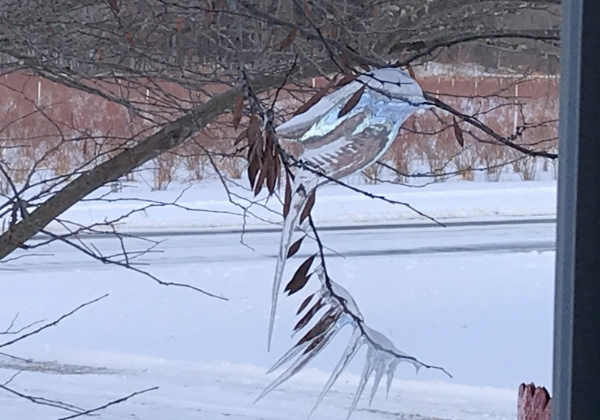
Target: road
{"x": 341, "y": 241}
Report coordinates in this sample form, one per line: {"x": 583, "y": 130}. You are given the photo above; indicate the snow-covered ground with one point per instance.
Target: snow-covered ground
{"x": 477, "y": 300}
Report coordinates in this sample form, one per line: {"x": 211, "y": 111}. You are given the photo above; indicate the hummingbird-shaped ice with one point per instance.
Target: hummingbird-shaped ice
{"x": 331, "y": 144}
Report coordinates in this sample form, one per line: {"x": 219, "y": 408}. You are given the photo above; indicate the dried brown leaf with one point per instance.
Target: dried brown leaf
{"x": 304, "y": 304}
{"x": 352, "y": 102}
{"x": 364, "y": 66}
{"x": 269, "y": 144}
{"x": 237, "y": 111}
{"x": 255, "y": 142}
{"x": 411, "y": 71}
{"x": 315, "y": 98}
{"x": 278, "y": 169}
{"x": 311, "y": 102}
{"x": 253, "y": 169}
{"x": 320, "y": 327}
{"x": 289, "y": 39}
{"x": 250, "y": 154}
{"x": 309, "y": 205}
{"x": 348, "y": 78}
{"x": 272, "y": 173}
{"x": 254, "y": 135}
{"x": 300, "y": 277}
{"x": 266, "y": 163}
{"x": 308, "y": 316}
{"x": 458, "y": 133}
{"x": 295, "y": 247}
{"x": 260, "y": 181}
{"x": 317, "y": 343}
{"x": 287, "y": 201}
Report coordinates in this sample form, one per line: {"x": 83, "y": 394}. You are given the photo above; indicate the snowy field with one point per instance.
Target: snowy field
{"x": 476, "y": 299}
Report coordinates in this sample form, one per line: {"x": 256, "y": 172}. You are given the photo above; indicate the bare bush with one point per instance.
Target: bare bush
{"x": 372, "y": 174}
{"x": 526, "y": 168}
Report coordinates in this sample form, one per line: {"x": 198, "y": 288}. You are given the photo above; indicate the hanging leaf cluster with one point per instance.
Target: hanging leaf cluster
{"x": 324, "y": 313}
{"x": 264, "y": 162}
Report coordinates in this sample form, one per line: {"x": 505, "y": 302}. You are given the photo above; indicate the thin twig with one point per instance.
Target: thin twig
{"x": 53, "y": 323}
{"x": 359, "y": 322}
{"x": 114, "y": 402}
{"x": 109, "y": 260}
{"x": 44, "y": 401}
{"x": 307, "y": 166}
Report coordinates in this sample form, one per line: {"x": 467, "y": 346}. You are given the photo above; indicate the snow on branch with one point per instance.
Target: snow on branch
{"x": 339, "y": 133}
{"x": 335, "y": 309}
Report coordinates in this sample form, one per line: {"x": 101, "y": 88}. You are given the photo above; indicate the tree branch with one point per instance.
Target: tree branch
{"x": 171, "y": 135}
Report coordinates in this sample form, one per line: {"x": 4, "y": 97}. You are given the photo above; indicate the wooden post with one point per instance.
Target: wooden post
{"x": 534, "y": 403}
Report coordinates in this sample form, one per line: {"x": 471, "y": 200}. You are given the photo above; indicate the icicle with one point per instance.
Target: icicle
{"x": 379, "y": 367}
{"x": 290, "y": 354}
{"x": 353, "y": 346}
{"x": 310, "y": 351}
{"x": 298, "y": 200}
{"x": 391, "y": 369}
{"x": 288, "y": 373}
{"x": 368, "y": 369}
